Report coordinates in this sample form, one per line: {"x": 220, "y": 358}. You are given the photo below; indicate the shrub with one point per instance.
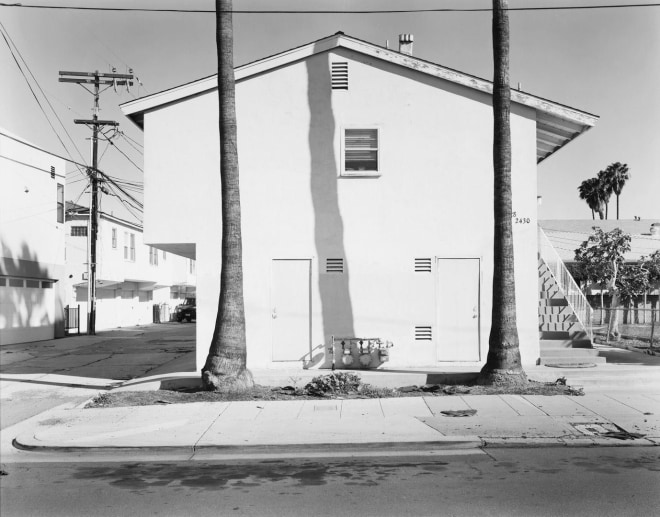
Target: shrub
{"x": 335, "y": 383}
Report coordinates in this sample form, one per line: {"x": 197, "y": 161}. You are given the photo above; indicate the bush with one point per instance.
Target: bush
{"x": 333, "y": 383}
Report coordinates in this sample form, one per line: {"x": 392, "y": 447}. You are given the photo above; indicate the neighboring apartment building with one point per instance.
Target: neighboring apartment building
{"x": 131, "y": 276}
{"x": 32, "y": 241}
{"x": 367, "y": 202}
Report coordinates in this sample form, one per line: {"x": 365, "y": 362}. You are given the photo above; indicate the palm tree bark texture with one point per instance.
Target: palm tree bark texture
{"x": 225, "y": 368}
{"x": 503, "y": 365}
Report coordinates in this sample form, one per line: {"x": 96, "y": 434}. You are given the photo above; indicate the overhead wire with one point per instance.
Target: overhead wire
{"x": 331, "y": 11}
{"x": 8, "y": 40}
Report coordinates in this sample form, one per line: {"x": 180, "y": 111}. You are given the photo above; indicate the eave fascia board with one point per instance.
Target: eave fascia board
{"x": 243, "y": 72}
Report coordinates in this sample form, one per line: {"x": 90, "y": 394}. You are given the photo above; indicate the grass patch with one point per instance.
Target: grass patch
{"x": 338, "y": 386}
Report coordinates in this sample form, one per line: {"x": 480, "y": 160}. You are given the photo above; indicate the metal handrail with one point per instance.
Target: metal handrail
{"x": 574, "y": 295}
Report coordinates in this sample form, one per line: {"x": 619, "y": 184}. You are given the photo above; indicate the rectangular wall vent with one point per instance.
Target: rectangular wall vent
{"x": 423, "y": 265}
{"x": 334, "y": 265}
{"x": 339, "y": 75}
{"x": 423, "y": 333}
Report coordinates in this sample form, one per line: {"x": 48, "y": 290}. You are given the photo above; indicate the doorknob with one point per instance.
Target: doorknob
{"x": 274, "y": 315}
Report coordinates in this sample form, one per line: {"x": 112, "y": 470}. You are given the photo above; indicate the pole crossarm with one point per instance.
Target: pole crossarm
{"x": 91, "y": 122}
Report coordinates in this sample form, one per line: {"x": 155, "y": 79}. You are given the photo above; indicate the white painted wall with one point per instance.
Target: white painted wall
{"x": 433, "y": 199}
{"x": 126, "y": 289}
{"x": 32, "y": 243}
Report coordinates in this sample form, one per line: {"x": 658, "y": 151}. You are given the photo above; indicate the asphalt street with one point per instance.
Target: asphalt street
{"x": 69, "y": 371}
{"x": 499, "y": 482}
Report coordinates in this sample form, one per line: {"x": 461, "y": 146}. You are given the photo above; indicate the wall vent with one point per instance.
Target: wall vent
{"x": 423, "y": 333}
{"x": 339, "y": 75}
{"x": 52, "y": 171}
{"x": 334, "y": 265}
{"x": 423, "y": 265}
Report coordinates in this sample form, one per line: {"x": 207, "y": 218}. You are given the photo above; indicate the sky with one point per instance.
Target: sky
{"x": 602, "y": 61}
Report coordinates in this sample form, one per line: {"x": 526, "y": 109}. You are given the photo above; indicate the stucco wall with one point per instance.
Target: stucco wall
{"x": 432, "y": 199}
{"x": 32, "y": 243}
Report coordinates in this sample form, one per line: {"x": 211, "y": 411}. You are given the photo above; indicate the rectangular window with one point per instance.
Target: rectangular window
{"x": 132, "y": 250}
{"x": 361, "y": 152}
{"x": 15, "y": 282}
{"x": 60, "y": 203}
{"x": 192, "y": 267}
{"x": 79, "y": 231}
{"x": 153, "y": 256}
{"x": 3, "y": 282}
{"x": 33, "y": 284}
{"x": 47, "y": 284}
{"x": 125, "y": 245}
{"x": 114, "y": 238}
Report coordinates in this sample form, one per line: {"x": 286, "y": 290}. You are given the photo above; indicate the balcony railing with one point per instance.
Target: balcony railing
{"x": 574, "y": 295}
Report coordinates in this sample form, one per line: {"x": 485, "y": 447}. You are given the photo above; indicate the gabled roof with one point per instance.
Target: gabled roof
{"x": 557, "y": 124}
{"x": 567, "y": 235}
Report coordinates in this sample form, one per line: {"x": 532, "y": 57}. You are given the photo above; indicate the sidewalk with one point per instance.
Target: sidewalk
{"x": 622, "y": 397}
{"x": 363, "y": 426}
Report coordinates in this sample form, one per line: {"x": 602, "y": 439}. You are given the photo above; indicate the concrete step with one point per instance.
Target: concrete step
{"x": 560, "y": 326}
{"x": 565, "y": 317}
{"x": 550, "y": 294}
{"x": 552, "y": 302}
{"x": 555, "y": 310}
{"x": 565, "y": 343}
{"x": 571, "y": 360}
{"x": 573, "y": 352}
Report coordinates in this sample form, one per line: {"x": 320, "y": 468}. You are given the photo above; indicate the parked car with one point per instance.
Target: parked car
{"x": 187, "y": 310}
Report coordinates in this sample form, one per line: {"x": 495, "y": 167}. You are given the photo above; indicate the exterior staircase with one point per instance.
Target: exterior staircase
{"x": 564, "y": 314}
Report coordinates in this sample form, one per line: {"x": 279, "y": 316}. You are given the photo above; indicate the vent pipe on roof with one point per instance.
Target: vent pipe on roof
{"x": 406, "y": 44}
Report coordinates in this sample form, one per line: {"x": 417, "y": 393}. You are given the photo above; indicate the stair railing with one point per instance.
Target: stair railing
{"x": 574, "y": 295}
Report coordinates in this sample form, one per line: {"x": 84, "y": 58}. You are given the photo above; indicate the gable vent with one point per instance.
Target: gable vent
{"x": 52, "y": 171}
{"x": 334, "y": 265}
{"x": 339, "y": 75}
{"x": 423, "y": 333}
{"x": 422, "y": 265}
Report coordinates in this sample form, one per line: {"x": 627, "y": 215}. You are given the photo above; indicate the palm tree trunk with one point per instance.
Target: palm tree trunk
{"x": 225, "y": 368}
{"x": 617, "y": 207}
{"x": 503, "y": 365}
{"x": 593, "y": 215}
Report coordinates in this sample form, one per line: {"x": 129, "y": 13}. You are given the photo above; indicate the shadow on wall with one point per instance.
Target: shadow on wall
{"x": 23, "y": 308}
{"x": 336, "y": 306}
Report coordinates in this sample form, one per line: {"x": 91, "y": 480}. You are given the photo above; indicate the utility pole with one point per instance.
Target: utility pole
{"x": 95, "y": 80}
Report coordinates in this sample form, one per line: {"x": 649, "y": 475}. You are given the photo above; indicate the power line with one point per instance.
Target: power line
{"x": 50, "y": 173}
{"x": 44, "y": 150}
{"x": 365, "y": 11}
{"x": 109, "y": 140}
{"x": 8, "y": 39}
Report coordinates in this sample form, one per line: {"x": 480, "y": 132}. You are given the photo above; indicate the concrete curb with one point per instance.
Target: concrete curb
{"x": 238, "y": 451}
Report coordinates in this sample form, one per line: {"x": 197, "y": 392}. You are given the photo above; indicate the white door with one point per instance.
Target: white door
{"x": 458, "y": 309}
{"x": 291, "y": 309}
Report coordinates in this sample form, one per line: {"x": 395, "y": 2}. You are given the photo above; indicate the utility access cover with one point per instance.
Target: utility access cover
{"x": 606, "y": 430}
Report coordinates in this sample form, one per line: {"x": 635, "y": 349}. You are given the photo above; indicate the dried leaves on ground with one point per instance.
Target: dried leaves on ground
{"x": 332, "y": 386}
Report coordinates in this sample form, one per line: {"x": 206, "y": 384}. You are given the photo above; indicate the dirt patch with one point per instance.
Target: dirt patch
{"x": 363, "y": 391}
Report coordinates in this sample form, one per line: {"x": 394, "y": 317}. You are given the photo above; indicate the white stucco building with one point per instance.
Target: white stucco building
{"x": 32, "y": 241}
{"x": 367, "y": 201}
{"x": 131, "y": 277}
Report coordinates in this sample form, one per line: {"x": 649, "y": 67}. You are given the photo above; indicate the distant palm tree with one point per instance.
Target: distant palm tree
{"x": 606, "y": 189}
{"x": 592, "y": 192}
{"x": 616, "y": 176}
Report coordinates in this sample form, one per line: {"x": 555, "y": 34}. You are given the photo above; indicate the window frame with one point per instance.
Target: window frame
{"x": 379, "y": 153}
{"x": 60, "y": 203}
